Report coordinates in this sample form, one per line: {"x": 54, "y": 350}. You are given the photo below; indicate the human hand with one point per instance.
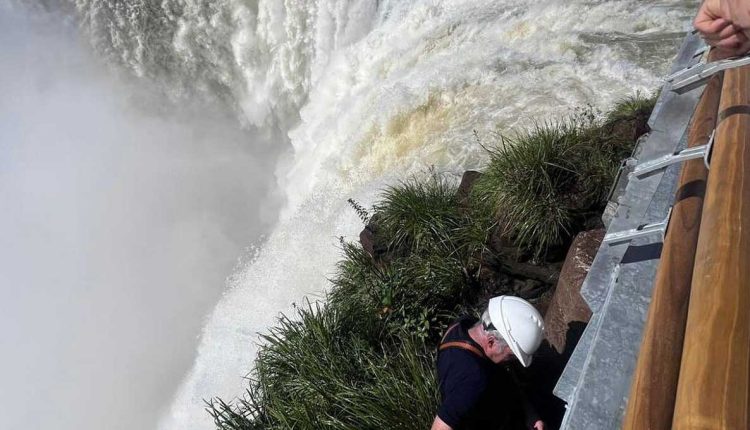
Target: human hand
{"x": 716, "y": 24}
{"x": 737, "y": 11}
{"x": 538, "y": 425}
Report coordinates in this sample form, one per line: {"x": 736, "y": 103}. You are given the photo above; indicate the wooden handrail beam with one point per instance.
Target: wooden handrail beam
{"x": 714, "y": 382}
{"x": 652, "y": 393}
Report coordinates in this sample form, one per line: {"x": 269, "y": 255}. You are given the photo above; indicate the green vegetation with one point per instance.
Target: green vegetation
{"x": 630, "y": 109}
{"x": 423, "y": 217}
{"x": 315, "y": 372}
{"x": 364, "y": 359}
{"x": 408, "y": 294}
{"x": 544, "y": 184}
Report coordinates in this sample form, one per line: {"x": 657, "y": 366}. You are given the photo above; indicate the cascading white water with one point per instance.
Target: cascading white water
{"x": 367, "y": 92}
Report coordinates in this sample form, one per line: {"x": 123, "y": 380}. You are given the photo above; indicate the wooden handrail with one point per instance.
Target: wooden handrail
{"x": 714, "y": 382}
{"x": 652, "y": 393}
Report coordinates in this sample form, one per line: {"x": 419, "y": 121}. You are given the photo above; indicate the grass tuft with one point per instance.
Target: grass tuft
{"x": 415, "y": 293}
{"x": 534, "y": 184}
{"x": 423, "y": 216}
{"x": 545, "y": 183}
{"x": 419, "y": 215}
{"x": 314, "y": 374}
{"x": 632, "y": 107}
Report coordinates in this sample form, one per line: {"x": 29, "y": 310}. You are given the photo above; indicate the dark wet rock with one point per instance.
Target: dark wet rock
{"x": 367, "y": 239}
{"x": 373, "y": 243}
{"x": 464, "y": 189}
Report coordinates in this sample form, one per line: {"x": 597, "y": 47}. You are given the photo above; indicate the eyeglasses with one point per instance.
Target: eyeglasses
{"x": 506, "y": 327}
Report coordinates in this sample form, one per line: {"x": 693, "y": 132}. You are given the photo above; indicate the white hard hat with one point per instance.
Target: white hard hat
{"x": 519, "y": 323}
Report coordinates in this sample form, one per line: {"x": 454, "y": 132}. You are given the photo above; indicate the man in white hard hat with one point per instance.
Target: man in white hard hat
{"x": 472, "y": 386}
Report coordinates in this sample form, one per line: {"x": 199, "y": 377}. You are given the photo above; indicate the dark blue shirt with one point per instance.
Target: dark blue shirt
{"x": 474, "y": 391}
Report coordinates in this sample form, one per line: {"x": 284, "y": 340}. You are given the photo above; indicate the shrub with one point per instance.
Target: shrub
{"x": 423, "y": 216}
{"x": 544, "y": 183}
{"x": 419, "y": 216}
{"x": 416, "y": 293}
{"x": 632, "y": 108}
{"x": 314, "y": 373}
{"x": 533, "y": 183}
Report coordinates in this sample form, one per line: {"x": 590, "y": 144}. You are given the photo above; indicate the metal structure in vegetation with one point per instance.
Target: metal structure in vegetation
{"x": 668, "y": 345}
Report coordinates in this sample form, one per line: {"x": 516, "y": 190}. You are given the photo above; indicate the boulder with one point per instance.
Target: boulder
{"x": 567, "y": 308}
{"x": 464, "y": 189}
{"x": 367, "y": 239}
{"x": 372, "y": 242}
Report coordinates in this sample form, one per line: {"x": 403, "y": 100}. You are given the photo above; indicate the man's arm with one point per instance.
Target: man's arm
{"x": 533, "y": 420}
{"x": 439, "y": 424}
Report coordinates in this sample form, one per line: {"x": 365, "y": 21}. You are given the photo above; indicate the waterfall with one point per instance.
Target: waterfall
{"x": 361, "y": 94}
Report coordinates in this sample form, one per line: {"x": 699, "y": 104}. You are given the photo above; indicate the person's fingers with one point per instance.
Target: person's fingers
{"x": 710, "y": 27}
{"x": 723, "y": 54}
{"x": 744, "y": 48}
{"x": 738, "y": 44}
{"x": 727, "y": 32}
{"x": 738, "y": 11}
{"x": 732, "y": 42}
{"x": 741, "y": 49}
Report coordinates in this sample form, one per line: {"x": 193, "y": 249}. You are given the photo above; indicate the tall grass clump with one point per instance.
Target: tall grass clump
{"x": 315, "y": 373}
{"x": 419, "y": 215}
{"x": 423, "y": 216}
{"x": 437, "y": 244}
{"x": 544, "y": 183}
{"x": 416, "y": 293}
{"x": 534, "y": 183}
{"x": 632, "y": 108}
{"x": 435, "y": 250}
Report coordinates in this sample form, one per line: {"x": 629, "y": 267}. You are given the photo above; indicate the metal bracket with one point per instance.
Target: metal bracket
{"x": 700, "y": 51}
{"x": 694, "y": 76}
{"x": 702, "y": 151}
{"x": 624, "y": 164}
{"x": 645, "y": 230}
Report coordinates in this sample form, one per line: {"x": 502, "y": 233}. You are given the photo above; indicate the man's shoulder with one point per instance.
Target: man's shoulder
{"x": 461, "y": 365}
{"x": 459, "y": 357}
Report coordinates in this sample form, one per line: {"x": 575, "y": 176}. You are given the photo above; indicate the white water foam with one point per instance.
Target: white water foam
{"x": 369, "y": 92}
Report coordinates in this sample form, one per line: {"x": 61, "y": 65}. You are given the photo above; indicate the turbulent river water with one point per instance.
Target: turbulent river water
{"x": 361, "y": 93}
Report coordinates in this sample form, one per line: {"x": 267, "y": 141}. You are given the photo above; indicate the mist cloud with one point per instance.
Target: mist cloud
{"x": 119, "y": 220}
